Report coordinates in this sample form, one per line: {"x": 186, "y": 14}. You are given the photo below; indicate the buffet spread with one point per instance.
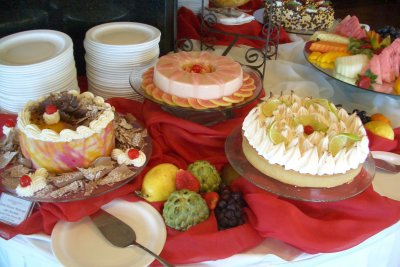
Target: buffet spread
{"x": 288, "y": 163}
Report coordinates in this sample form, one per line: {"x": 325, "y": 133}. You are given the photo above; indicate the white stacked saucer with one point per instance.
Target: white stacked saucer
{"x": 115, "y": 50}
{"x": 33, "y": 64}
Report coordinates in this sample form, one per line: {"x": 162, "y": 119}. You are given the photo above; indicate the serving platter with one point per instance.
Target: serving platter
{"x": 9, "y": 184}
{"x": 81, "y": 244}
{"x": 207, "y": 116}
{"x": 330, "y": 73}
{"x": 236, "y": 157}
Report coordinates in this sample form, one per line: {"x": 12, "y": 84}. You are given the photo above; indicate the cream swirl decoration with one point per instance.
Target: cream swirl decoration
{"x": 38, "y": 182}
{"x": 306, "y": 153}
{"x": 122, "y": 158}
{"x": 96, "y": 126}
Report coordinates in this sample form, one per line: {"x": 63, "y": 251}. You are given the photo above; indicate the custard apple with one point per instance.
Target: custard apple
{"x": 207, "y": 175}
{"x": 185, "y": 208}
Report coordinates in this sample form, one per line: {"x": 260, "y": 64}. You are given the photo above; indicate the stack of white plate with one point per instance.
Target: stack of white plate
{"x": 114, "y": 51}
{"x": 33, "y": 64}
{"x": 195, "y": 6}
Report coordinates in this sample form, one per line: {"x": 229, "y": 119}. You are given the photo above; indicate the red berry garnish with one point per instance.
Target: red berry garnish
{"x": 364, "y": 82}
{"x": 25, "y": 180}
{"x": 197, "y": 68}
{"x": 50, "y": 109}
{"x": 10, "y": 123}
{"x": 133, "y": 153}
{"x": 308, "y": 129}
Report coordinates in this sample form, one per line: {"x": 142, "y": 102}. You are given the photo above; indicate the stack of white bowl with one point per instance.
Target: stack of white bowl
{"x": 33, "y": 64}
{"x": 114, "y": 51}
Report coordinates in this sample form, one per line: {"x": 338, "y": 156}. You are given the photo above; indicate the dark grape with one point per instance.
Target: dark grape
{"x": 229, "y": 210}
{"x": 363, "y": 115}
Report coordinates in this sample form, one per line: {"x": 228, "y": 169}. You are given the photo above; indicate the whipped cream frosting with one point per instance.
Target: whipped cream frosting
{"x": 301, "y": 152}
{"x": 50, "y": 119}
{"x": 25, "y": 125}
{"x": 7, "y": 130}
{"x": 122, "y": 158}
{"x": 39, "y": 181}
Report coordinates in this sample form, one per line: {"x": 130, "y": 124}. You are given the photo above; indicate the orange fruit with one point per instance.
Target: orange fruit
{"x": 380, "y": 117}
{"x": 380, "y": 128}
{"x": 396, "y": 86}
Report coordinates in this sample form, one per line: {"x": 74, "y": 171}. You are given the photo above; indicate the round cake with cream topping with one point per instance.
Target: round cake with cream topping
{"x": 304, "y": 142}
{"x": 200, "y": 75}
{"x": 65, "y": 131}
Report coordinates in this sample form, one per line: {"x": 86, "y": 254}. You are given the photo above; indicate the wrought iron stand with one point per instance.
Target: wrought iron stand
{"x": 255, "y": 58}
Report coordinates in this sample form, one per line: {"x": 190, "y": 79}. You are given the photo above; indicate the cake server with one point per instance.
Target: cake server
{"x": 387, "y": 161}
{"x": 386, "y": 166}
{"x": 119, "y": 233}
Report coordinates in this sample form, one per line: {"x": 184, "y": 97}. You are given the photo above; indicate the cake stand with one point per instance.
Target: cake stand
{"x": 236, "y": 157}
{"x": 9, "y": 186}
{"x": 207, "y": 116}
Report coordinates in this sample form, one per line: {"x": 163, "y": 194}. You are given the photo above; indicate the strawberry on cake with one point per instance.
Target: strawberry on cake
{"x": 197, "y": 79}
{"x": 304, "y": 142}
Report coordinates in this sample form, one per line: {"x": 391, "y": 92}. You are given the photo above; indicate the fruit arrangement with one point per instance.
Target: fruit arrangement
{"x": 368, "y": 59}
{"x": 377, "y": 124}
{"x": 191, "y": 195}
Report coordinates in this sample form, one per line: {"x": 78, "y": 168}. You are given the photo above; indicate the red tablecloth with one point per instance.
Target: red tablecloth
{"x": 311, "y": 227}
{"x": 189, "y": 26}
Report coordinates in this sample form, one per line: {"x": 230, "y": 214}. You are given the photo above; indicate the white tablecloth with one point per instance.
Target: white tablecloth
{"x": 290, "y": 72}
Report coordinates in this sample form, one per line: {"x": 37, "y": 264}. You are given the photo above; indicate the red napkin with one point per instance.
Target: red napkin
{"x": 189, "y": 26}
{"x": 312, "y": 227}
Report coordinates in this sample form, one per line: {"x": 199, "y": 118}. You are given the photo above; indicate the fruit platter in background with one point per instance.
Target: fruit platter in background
{"x": 368, "y": 59}
{"x": 190, "y": 195}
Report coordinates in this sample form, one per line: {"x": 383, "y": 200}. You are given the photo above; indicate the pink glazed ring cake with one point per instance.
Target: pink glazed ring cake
{"x": 200, "y": 75}
{"x": 66, "y": 130}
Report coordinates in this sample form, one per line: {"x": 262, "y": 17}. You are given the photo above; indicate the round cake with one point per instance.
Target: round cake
{"x": 302, "y": 15}
{"x": 200, "y": 75}
{"x": 304, "y": 142}
{"x": 65, "y": 131}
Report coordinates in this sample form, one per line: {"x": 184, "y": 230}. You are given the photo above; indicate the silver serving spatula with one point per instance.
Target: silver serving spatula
{"x": 119, "y": 233}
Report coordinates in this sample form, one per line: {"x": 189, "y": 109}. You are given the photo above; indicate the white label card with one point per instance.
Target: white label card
{"x": 14, "y": 210}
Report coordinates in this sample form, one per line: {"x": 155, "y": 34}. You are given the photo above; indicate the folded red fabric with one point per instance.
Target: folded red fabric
{"x": 189, "y": 26}
{"x": 312, "y": 227}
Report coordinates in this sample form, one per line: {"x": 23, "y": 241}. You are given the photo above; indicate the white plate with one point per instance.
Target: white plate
{"x": 259, "y": 15}
{"x": 33, "y": 47}
{"x": 124, "y": 34}
{"x": 387, "y": 184}
{"x": 80, "y": 244}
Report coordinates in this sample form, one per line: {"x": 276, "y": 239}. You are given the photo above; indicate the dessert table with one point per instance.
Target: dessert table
{"x": 360, "y": 231}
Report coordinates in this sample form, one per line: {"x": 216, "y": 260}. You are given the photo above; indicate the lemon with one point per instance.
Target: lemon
{"x": 339, "y": 141}
{"x": 396, "y": 86}
{"x": 159, "y": 182}
{"x": 380, "y": 128}
{"x": 314, "y": 120}
{"x": 269, "y": 107}
{"x": 275, "y": 135}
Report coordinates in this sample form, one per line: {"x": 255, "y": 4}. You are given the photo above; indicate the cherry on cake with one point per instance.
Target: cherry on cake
{"x": 197, "y": 79}
{"x": 304, "y": 142}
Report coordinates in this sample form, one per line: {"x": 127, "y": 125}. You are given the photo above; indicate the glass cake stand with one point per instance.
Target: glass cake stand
{"x": 234, "y": 152}
{"x": 9, "y": 186}
{"x": 330, "y": 73}
{"x": 207, "y": 116}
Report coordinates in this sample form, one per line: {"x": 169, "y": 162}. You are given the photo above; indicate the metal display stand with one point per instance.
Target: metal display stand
{"x": 253, "y": 56}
